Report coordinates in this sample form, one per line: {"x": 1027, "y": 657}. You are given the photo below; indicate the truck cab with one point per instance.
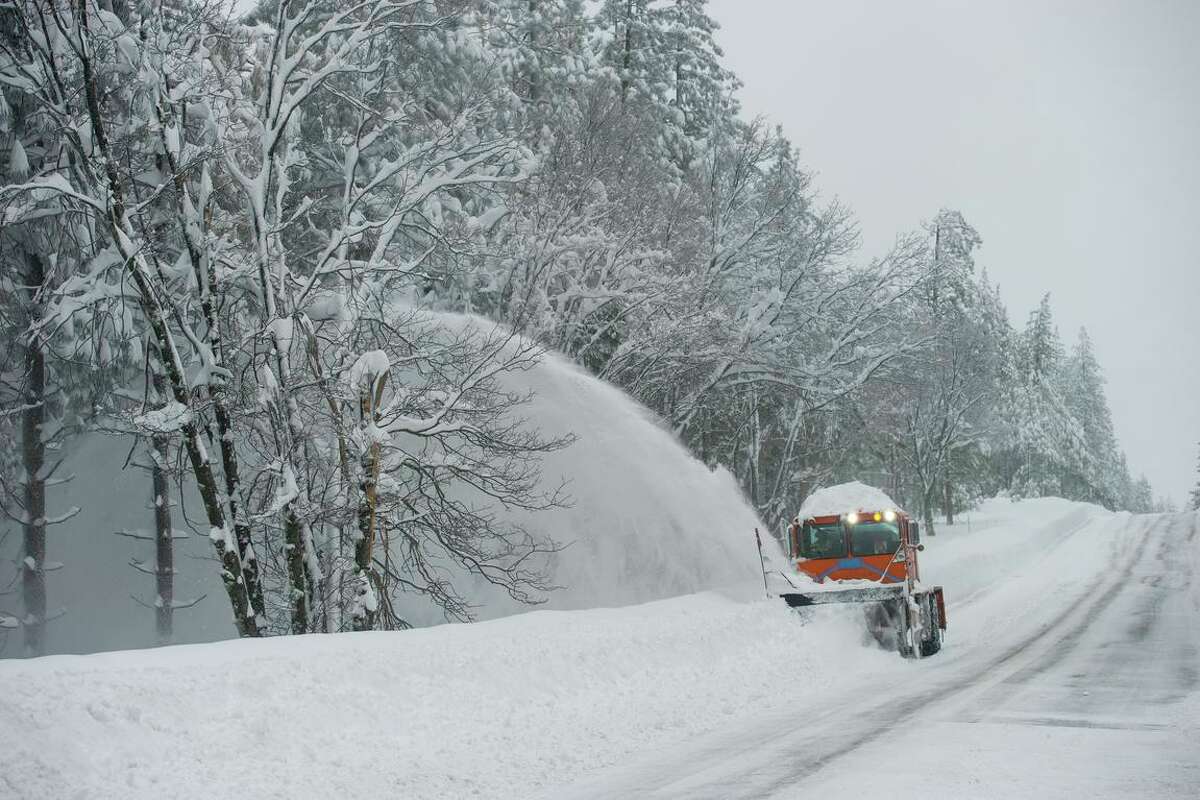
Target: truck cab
{"x": 875, "y": 545}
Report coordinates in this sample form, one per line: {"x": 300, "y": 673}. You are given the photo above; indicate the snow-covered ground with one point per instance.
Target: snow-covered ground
{"x": 705, "y": 695}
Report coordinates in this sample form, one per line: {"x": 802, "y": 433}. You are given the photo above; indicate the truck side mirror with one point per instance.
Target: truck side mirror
{"x": 914, "y": 532}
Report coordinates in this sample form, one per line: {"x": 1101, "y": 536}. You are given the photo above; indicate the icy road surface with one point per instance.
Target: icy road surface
{"x": 1090, "y": 692}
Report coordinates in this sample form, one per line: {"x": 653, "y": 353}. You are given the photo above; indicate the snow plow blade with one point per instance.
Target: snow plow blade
{"x": 873, "y": 594}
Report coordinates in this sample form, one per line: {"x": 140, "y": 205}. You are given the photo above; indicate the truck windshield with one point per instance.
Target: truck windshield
{"x": 875, "y": 538}
{"x": 822, "y": 541}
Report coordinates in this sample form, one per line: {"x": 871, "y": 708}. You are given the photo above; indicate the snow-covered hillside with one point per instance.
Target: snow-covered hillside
{"x": 530, "y": 704}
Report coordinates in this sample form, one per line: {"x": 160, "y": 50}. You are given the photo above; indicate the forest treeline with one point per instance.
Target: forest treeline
{"x": 220, "y": 236}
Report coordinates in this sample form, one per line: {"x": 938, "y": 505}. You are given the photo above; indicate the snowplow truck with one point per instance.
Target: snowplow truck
{"x": 869, "y": 556}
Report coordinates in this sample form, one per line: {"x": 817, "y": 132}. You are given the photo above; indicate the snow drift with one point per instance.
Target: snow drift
{"x": 500, "y": 710}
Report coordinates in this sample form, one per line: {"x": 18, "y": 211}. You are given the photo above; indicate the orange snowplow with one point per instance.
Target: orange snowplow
{"x": 869, "y": 556}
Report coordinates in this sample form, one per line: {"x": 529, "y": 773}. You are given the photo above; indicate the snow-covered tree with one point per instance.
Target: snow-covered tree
{"x": 1142, "y": 499}
{"x": 1046, "y": 437}
{"x": 39, "y": 238}
{"x": 949, "y": 381}
{"x": 1083, "y": 390}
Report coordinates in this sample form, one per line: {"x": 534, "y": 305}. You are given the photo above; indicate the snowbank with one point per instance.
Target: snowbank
{"x": 496, "y": 710}
{"x": 524, "y": 706}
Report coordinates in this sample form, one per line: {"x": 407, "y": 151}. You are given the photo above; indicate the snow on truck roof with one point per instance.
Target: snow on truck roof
{"x": 845, "y": 497}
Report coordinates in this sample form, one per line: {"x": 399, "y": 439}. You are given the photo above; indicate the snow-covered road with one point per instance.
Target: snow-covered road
{"x": 1084, "y": 689}
{"x": 1071, "y": 669}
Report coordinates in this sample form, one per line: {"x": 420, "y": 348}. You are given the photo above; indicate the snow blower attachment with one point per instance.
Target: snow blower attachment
{"x": 869, "y": 556}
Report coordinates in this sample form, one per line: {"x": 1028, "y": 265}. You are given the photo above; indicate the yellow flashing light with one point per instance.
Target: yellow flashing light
{"x": 878, "y": 516}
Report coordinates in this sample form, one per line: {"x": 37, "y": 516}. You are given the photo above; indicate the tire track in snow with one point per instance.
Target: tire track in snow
{"x": 1107, "y": 589}
{"x": 1067, "y": 627}
{"x": 724, "y": 768}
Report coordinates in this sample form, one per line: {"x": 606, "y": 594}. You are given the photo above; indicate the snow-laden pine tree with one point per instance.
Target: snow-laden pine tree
{"x": 1047, "y": 438}
{"x": 151, "y": 419}
{"x": 40, "y": 393}
{"x": 1142, "y": 499}
{"x": 1083, "y": 390}
{"x": 997, "y": 462}
{"x": 665, "y": 54}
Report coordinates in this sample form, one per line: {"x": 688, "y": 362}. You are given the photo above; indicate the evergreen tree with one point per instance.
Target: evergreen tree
{"x": 666, "y": 57}
{"x": 1142, "y": 499}
{"x": 1048, "y": 439}
{"x": 1083, "y": 391}
{"x": 38, "y": 391}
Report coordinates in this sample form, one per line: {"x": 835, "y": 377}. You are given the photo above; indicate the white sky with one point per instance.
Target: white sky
{"x": 1068, "y": 134}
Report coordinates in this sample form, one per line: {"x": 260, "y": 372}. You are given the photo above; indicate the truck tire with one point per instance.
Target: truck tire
{"x": 933, "y": 644}
{"x": 905, "y": 630}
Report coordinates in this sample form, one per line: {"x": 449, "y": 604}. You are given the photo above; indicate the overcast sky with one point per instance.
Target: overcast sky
{"x": 1068, "y": 134}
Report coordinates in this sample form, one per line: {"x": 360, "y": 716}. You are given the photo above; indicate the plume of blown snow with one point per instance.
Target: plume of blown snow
{"x": 647, "y": 519}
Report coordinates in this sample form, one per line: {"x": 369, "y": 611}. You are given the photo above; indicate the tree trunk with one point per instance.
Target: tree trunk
{"x": 164, "y": 534}
{"x": 927, "y": 505}
{"x": 288, "y": 437}
{"x": 293, "y": 534}
{"x": 323, "y": 599}
{"x": 164, "y": 540}
{"x": 370, "y": 399}
{"x": 241, "y": 528}
{"x": 295, "y": 542}
{"x": 627, "y": 58}
{"x": 364, "y": 615}
{"x": 33, "y": 451}
{"x": 948, "y": 503}
{"x": 532, "y": 72}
